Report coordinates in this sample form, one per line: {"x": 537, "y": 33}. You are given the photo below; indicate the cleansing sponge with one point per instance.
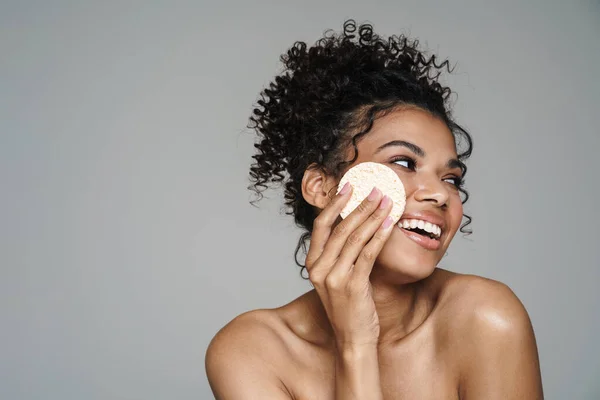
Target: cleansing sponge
{"x": 364, "y": 177}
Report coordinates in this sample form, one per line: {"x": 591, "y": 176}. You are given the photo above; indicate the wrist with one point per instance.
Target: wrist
{"x": 356, "y": 352}
{"x": 357, "y": 372}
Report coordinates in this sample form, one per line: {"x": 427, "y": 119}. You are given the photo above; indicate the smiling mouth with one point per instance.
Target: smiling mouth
{"x": 420, "y": 227}
{"x": 423, "y": 233}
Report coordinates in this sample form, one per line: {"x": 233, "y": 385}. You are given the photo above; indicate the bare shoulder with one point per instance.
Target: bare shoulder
{"x": 247, "y": 334}
{"x": 241, "y": 359}
{"x": 485, "y": 304}
{"x": 492, "y": 339}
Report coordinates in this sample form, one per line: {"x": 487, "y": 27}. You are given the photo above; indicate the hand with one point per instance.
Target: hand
{"x": 340, "y": 260}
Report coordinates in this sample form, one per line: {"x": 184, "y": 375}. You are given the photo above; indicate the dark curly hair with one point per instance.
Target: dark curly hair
{"x": 328, "y": 96}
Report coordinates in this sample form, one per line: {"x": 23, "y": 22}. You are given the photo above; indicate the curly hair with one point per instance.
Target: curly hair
{"x": 327, "y": 97}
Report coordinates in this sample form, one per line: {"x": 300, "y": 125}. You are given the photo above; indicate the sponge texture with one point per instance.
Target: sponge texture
{"x": 364, "y": 177}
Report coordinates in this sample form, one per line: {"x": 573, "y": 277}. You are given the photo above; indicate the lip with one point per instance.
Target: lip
{"x": 425, "y": 242}
{"x": 427, "y": 216}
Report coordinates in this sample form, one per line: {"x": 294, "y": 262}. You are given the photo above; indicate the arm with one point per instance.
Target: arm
{"x": 357, "y": 374}
{"x": 502, "y": 362}
{"x": 339, "y": 262}
{"x": 235, "y": 372}
{"x": 239, "y": 362}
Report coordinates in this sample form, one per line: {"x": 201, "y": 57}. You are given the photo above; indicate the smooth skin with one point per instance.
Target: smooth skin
{"x": 383, "y": 322}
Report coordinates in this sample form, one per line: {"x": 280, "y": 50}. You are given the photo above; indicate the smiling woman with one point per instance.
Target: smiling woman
{"x": 383, "y": 321}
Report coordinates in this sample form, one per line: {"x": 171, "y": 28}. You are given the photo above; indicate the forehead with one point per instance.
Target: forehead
{"x": 412, "y": 125}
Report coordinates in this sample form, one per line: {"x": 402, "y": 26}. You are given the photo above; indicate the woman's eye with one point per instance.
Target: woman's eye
{"x": 405, "y": 162}
{"x": 454, "y": 180}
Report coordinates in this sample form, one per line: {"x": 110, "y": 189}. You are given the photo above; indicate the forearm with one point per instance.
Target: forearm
{"x": 357, "y": 374}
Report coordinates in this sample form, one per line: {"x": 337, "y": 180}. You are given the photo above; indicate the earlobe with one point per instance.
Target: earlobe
{"x": 317, "y": 187}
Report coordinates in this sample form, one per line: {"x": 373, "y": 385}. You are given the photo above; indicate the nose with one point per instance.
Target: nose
{"x": 431, "y": 189}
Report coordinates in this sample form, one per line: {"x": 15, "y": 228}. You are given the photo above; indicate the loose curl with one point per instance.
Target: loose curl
{"x": 328, "y": 97}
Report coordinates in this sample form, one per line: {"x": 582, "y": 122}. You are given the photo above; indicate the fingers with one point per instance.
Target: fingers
{"x": 358, "y": 227}
{"x": 323, "y": 224}
{"x": 365, "y": 243}
{"x": 359, "y": 242}
{"x": 369, "y": 253}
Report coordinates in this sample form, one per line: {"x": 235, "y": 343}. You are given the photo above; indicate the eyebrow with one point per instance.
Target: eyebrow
{"x": 456, "y": 163}
{"x": 452, "y": 163}
{"x": 412, "y": 147}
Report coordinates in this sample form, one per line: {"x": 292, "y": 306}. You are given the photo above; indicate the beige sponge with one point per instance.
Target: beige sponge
{"x": 363, "y": 177}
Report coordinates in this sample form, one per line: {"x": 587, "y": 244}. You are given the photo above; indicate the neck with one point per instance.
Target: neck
{"x": 401, "y": 308}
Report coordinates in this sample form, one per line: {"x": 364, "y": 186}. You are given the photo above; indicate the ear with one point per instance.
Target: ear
{"x": 317, "y": 187}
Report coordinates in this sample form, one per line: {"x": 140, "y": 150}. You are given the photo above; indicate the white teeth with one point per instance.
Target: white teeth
{"x": 417, "y": 223}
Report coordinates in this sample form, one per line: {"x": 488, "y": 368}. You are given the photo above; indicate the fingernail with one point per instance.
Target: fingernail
{"x": 387, "y": 222}
{"x": 373, "y": 195}
{"x": 385, "y": 202}
{"x": 345, "y": 188}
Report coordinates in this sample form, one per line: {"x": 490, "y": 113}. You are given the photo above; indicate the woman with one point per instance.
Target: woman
{"x": 382, "y": 321}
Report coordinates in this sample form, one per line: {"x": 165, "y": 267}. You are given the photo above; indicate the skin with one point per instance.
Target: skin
{"x": 383, "y": 322}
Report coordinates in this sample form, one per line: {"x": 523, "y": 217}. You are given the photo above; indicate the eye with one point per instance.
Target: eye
{"x": 405, "y": 162}
{"x": 454, "y": 180}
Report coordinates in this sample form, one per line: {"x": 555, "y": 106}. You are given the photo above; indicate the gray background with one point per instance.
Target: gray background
{"x": 127, "y": 239}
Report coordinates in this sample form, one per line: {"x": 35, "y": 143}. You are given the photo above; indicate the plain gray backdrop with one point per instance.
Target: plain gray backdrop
{"x": 127, "y": 239}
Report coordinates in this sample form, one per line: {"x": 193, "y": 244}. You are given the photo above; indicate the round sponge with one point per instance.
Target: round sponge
{"x": 364, "y": 177}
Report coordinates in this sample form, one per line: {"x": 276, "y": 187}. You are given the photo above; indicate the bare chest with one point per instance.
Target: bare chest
{"x": 417, "y": 372}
